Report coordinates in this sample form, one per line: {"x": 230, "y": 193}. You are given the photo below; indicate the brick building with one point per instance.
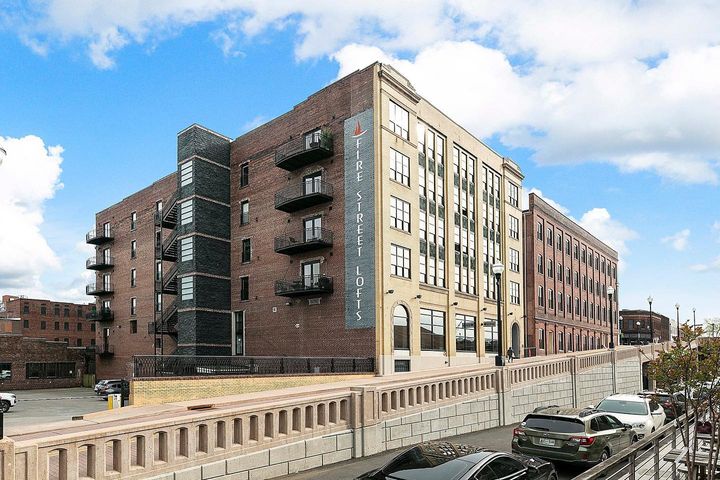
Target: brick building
{"x": 362, "y": 223}
{"x": 632, "y": 333}
{"x": 31, "y": 363}
{"x": 568, "y": 272}
{"x": 51, "y": 320}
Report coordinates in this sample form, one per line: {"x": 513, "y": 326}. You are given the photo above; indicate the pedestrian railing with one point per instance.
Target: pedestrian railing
{"x": 642, "y": 460}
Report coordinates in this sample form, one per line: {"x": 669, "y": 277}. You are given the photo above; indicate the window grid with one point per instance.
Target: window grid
{"x": 399, "y": 119}
{"x": 186, "y": 173}
{"x": 187, "y": 288}
{"x": 400, "y": 214}
{"x": 400, "y": 261}
{"x": 399, "y": 167}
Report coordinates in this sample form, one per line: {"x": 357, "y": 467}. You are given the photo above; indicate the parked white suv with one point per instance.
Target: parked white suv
{"x": 7, "y": 400}
{"x": 643, "y": 413}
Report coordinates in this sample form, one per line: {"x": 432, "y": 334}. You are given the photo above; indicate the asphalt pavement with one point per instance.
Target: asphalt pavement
{"x": 495, "y": 438}
{"x": 51, "y": 405}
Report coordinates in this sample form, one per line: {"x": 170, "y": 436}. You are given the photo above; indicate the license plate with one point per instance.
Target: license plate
{"x": 548, "y": 442}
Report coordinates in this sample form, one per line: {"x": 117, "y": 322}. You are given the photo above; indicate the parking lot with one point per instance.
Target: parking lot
{"x": 52, "y": 405}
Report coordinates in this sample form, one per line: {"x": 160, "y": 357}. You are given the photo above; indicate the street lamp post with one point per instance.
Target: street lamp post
{"x": 638, "y": 331}
{"x": 610, "y": 291}
{"x": 693, "y": 318}
{"x": 497, "y": 270}
{"x": 677, "y": 321}
{"x": 652, "y": 330}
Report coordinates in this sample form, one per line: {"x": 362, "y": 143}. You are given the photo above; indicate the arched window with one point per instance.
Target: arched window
{"x": 401, "y": 330}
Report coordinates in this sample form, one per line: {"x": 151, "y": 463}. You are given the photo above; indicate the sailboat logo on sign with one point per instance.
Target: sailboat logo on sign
{"x": 359, "y": 132}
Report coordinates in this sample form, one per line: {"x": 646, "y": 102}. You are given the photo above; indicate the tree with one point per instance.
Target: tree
{"x": 692, "y": 367}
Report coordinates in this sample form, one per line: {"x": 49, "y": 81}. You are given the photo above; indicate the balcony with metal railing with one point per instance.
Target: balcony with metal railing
{"x": 169, "y": 247}
{"x": 303, "y": 195}
{"x": 304, "y": 241}
{"x": 99, "y": 236}
{"x": 99, "y": 288}
{"x": 168, "y": 284}
{"x": 100, "y": 315}
{"x": 304, "y": 150}
{"x": 167, "y": 217}
{"x": 99, "y": 262}
{"x": 304, "y": 285}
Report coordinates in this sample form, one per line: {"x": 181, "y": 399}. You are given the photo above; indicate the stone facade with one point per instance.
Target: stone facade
{"x": 568, "y": 272}
{"x": 51, "y": 320}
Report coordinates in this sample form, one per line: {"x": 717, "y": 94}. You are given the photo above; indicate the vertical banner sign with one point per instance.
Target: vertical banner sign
{"x": 359, "y": 221}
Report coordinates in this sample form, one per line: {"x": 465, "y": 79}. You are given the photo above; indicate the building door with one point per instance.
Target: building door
{"x": 106, "y": 281}
{"x": 238, "y": 333}
{"x": 313, "y": 228}
{"x": 106, "y": 229}
{"x": 516, "y": 339}
{"x": 551, "y": 343}
{"x": 311, "y": 273}
{"x": 311, "y": 183}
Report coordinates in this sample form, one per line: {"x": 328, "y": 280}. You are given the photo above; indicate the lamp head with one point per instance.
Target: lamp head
{"x": 498, "y": 268}
{"x": 650, "y": 299}
{"x": 454, "y": 304}
{"x": 677, "y": 306}
{"x": 391, "y": 291}
{"x": 610, "y": 290}
{"x": 418, "y": 295}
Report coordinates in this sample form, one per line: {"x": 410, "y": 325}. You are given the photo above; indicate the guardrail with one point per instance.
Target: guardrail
{"x": 148, "y": 366}
{"x": 639, "y": 456}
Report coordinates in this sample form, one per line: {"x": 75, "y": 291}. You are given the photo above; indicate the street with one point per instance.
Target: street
{"x": 495, "y": 438}
{"x": 51, "y": 405}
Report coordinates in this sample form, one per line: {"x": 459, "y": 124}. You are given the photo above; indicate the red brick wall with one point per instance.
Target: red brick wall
{"x": 556, "y": 320}
{"x": 125, "y": 343}
{"x": 19, "y": 350}
{"x": 78, "y": 327}
{"x": 299, "y": 329}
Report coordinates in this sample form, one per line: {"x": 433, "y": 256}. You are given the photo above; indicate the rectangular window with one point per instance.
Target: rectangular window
{"x": 133, "y": 277}
{"x": 238, "y": 333}
{"x": 245, "y": 250}
{"x": 514, "y": 260}
{"x": 133, "y": 220}
{"x": 66, "y": 312}
{"x": 158, "y": 271}
{"x": 26, "y": 309}
{"x": 244, "y": 212}
{"x": 540, "y": 264}
{"x": 79, "y": 327}
{"x": 133, "y": 306}
{"x": 491, "y": 337}
{"x": 186, "y": 249}
{"x": 186, "y": 212}
{"x": 541, "y": 296}
{"x": 244, "y": 288}
{"x": 43, "y": 325}
{"x": 539, "y": 231}
{"x": 56, "y": 311}
{"x": 133, "y": 249}
{"x": 244, "y": 174}
{"x": 159, "y": 206}
{"x": 26, "y": 323}
{"x": 49, "y": 370}
{"x": 432, "y": 330}
{"x": 513, "y": 194}
{"x": 515, "y": 293}
{"x": 465, "y": 333}
{"x": 400, "y": 214}
{"x": 57, "y": 325}
{"x": 550, "y": 236}
{"x": 551, "y": 299}
{"x": 66, "y": 326}
{"x": 158, "y": 302}
{"x": 541, "y": 339}
{"x": 399, "y": 167}
{"x": 43, "y": 310}
{"x": 133, "y": 326}
{"x": 186, "y": 173}
{"x": 514, "y": 228}
{"x": 187, "y": 288}
{"x": 399, "y": 120}
{"x": 399, "y": 261}
{"x": 5, "y": 371}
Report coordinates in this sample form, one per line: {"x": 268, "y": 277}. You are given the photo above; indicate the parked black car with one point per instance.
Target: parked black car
{"x": 448, "y": 461}
{"x": 674, "y": 405}
{"x": 113, "y": 387}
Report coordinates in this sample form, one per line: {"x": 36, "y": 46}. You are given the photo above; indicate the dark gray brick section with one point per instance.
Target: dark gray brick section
{"x": 198, "y": 141}
{"x": 212, "y": 219}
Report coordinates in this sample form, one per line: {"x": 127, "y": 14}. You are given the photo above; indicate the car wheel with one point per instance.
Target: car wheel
{"x": 604, "y": 455}
{"x": 552, "y": 477}
{"x": 4, "y": 406}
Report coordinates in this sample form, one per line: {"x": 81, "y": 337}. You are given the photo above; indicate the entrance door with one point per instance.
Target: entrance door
{"x": 311, "y": 273}
{"x": 313, "y": 228}
{"x": 311, "y": 183}
{"x": 516, "y": 339}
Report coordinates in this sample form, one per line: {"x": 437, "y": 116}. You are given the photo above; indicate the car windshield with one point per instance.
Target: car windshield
{"x": 554, "y": 424}
{"x": 627, "y": 407}
{"x": 420, "y": 464}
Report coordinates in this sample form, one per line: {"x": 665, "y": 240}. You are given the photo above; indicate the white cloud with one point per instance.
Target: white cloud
{"x": 600, "y": 223}
{"x": 679, "y": 240}
{"x": 631, "y": 84}
{"x": 526, "y": 202}
{"x": 712, "y": 266}
{"x": 29, "y": 176}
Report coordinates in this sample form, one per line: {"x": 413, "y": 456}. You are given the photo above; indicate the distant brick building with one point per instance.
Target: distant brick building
{"x": 52, "y": 320}
{"x": 33, "y": 363}
{"x": 632, "y": 333}
{"x": 568, "y": 272}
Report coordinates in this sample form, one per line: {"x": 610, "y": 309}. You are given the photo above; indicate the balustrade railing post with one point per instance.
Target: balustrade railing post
{"x": 656, "y": 458}
{"x": 631, "y": 466}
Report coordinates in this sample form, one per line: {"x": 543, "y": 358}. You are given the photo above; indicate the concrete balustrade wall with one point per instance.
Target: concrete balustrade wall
{"x": 289, "y": 434}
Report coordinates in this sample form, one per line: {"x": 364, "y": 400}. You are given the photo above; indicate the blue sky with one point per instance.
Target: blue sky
{"x": 611, "y": 109}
